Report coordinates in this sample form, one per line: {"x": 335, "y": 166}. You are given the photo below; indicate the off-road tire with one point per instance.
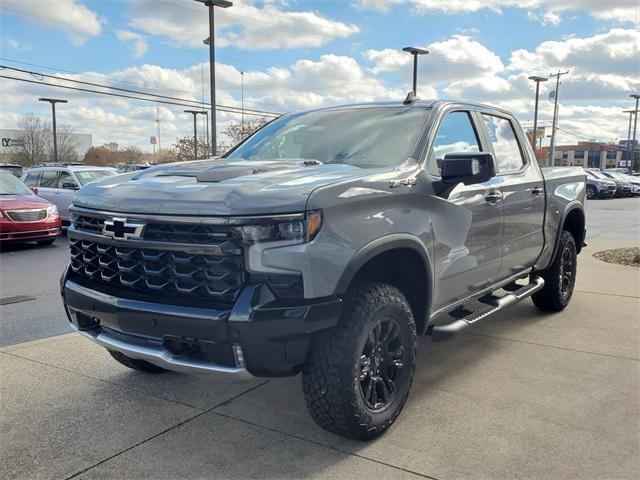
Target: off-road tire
{"x": 592, "y": 192}
{"x": 554, "y": 296}
{"x": 330, "y": 379}
{"x": 48, "y": 241}
{"x": 136, "y": 364}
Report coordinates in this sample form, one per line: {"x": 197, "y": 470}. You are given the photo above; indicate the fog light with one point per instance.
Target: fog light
{"x": 237, "y": 353}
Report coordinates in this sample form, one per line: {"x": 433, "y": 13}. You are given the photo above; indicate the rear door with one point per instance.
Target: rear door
{"x": 521, "y": 184}
{"x": 48, "y": 185}
{"x": 467, "y": 221}
{"x": 65, "y": 195}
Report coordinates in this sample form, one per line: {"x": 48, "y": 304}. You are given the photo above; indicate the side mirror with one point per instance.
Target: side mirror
{"x": 34, "y": 190}
{"x": 468, "y": 168}
{"x": 69, "y": 186}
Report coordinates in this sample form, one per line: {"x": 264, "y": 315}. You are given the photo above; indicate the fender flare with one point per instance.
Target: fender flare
{"x": 574, "y": 205}
{"x": 385, "y": 244}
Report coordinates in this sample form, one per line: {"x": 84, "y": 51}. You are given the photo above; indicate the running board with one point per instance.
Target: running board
{"x": 492, "y": 306}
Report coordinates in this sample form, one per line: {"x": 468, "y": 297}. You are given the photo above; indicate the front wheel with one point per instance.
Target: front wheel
{"x": 359, "y": 373}
{"x": 591, "y": 192}
{"x": 559, "y": 277}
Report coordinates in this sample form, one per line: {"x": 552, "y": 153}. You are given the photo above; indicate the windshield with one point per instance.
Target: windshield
{"x": 365, "y": 137}
{"x": 599, "y": 175}
{"x": 10, "y": 185}
{"x": 86, "y": 176}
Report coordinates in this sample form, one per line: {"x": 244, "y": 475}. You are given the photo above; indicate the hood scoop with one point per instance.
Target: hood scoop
{"x": 230, "y": 170}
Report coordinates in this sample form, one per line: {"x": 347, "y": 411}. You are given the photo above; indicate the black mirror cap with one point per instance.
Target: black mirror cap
{"x": 468, "y": 168}
{"x": 69, "y": 186}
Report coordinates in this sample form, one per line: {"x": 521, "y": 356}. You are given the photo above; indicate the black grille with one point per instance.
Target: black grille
{"x": 162, "y": 232}
{"x": 165, "y": 274}
{"x": 27, "y": 215}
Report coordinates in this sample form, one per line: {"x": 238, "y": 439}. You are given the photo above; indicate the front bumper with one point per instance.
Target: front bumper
{"x": 260, "y": 336}
{"x": 11, "y": 231}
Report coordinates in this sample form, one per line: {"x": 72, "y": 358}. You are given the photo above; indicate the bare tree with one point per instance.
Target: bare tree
{"x": 67, "y": 145}
{"x": 31, "y": 145}
{"x": 183, "y": 148}
{"x": 237, "y": 133}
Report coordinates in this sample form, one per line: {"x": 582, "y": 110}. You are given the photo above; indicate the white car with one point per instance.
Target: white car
{"x": 58, "y": 183}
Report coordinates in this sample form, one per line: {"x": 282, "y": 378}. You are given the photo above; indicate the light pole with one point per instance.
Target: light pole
{"x": 211, "y": 4}
{"x": 242, "y": 97}
{"x": 195, "y": 113}
{"x": 53, "y": 102}
{"x": 535, "y": 114}
{"x": 633, "y": 141}
{"x": 552, "y": 149}
{"x": 415, "y": 52}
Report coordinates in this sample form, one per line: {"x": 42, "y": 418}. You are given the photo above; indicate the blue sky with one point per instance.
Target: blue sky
{"x": 306, "y": 53}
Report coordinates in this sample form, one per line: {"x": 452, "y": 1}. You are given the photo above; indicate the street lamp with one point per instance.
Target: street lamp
{"x": 53, "y": 102}
{"x": 635, "y": 125}
{"x": 535, "y": 115}
{"x": 195, "y": 113}
{"x": 212, "y": 64}
{"x": 415, "y": 52}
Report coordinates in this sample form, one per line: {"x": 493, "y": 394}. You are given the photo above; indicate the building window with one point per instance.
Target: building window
{"x": 594, "y": 159}
{"x": 612, "y": 154}
{"x": 578, "y": 154}
{"x": 565, "y": 154}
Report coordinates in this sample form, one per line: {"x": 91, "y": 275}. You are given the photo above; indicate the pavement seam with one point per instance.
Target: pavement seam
{"x": 620, "y": 357}
{"x": 166, "y": 430}
{"x": 608, "y": 294}
{"x": 330, "y": 447}
{"x": 143, "y": 392}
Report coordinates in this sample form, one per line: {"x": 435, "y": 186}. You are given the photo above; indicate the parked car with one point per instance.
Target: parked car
{"x": 25, "y": 217}
{"x": 623, "y": 188}
{"x": 618, "y": 169}
{"x": 133, "y": 167}
{"x": 11, "y": 168}
{"x": 58, "y": 183}
{"x": 634, "y": 182}
{"x": 600, "y": 186}
{"x": 324, "y": 244}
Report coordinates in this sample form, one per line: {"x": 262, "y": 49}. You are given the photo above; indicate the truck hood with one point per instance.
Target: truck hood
{"x": 216, "y": 187}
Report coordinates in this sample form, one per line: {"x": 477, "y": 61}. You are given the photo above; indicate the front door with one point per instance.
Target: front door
{"x": 467, "y": 223}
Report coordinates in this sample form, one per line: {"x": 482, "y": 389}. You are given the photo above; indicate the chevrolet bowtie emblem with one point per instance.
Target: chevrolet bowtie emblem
{"x": 119, "y": 228}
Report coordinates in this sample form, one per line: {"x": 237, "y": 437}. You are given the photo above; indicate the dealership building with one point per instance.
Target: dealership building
{"x": 588, "y": 155}
{"x": 11, "y": 139}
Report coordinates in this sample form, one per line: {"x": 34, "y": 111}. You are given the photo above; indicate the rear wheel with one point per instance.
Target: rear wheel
{"x": 136, "y": 364}
{"x": 591, "y": 192}
{"x": 359, "y": 373}
{"x": 560, "y": 277}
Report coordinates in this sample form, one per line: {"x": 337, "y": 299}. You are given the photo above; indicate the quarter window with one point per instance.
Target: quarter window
{"x": 31, "y": 179}
{"x": 505, "y": 144}
{"x": 455, "y": 135}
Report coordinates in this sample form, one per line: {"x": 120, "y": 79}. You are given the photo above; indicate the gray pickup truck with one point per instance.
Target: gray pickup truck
{"x": 324, "y": 245}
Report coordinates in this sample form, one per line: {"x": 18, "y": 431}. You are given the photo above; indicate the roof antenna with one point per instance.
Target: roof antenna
{"x": 411, "y": 97}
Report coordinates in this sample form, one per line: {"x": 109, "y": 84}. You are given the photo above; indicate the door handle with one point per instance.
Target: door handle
{"x": 537, "y": 191}
{"x": 493, "y": 197}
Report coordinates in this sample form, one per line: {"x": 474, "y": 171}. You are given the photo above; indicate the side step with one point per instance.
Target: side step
{"x": 492, "y": 306}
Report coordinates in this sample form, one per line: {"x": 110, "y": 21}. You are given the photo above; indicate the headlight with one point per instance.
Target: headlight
{"x": 298, "y": 231}
{"x": 52, "y": 210}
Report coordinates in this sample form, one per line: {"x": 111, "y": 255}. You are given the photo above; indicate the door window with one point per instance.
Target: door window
{"x": 65, "y": 177}
{"x": 507, "y": 150}
{"x": 49, "y": 179}
{"x": 455, "y": 135}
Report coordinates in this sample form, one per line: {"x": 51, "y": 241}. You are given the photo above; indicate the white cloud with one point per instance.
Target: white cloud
{"x": 72, "y": 16}
{"x": 139, "y": 45}
{"x": 245, "y": 25}
{"x": 609, "y": 10}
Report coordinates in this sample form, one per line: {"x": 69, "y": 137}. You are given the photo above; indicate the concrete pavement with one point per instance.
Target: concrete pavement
{"x": 522, "y": 395}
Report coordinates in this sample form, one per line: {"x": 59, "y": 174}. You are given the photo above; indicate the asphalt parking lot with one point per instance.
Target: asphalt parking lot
{"x": 521, "y": 395}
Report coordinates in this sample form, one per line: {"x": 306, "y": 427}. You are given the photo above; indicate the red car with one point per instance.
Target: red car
{"x": 25, "y": 217}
